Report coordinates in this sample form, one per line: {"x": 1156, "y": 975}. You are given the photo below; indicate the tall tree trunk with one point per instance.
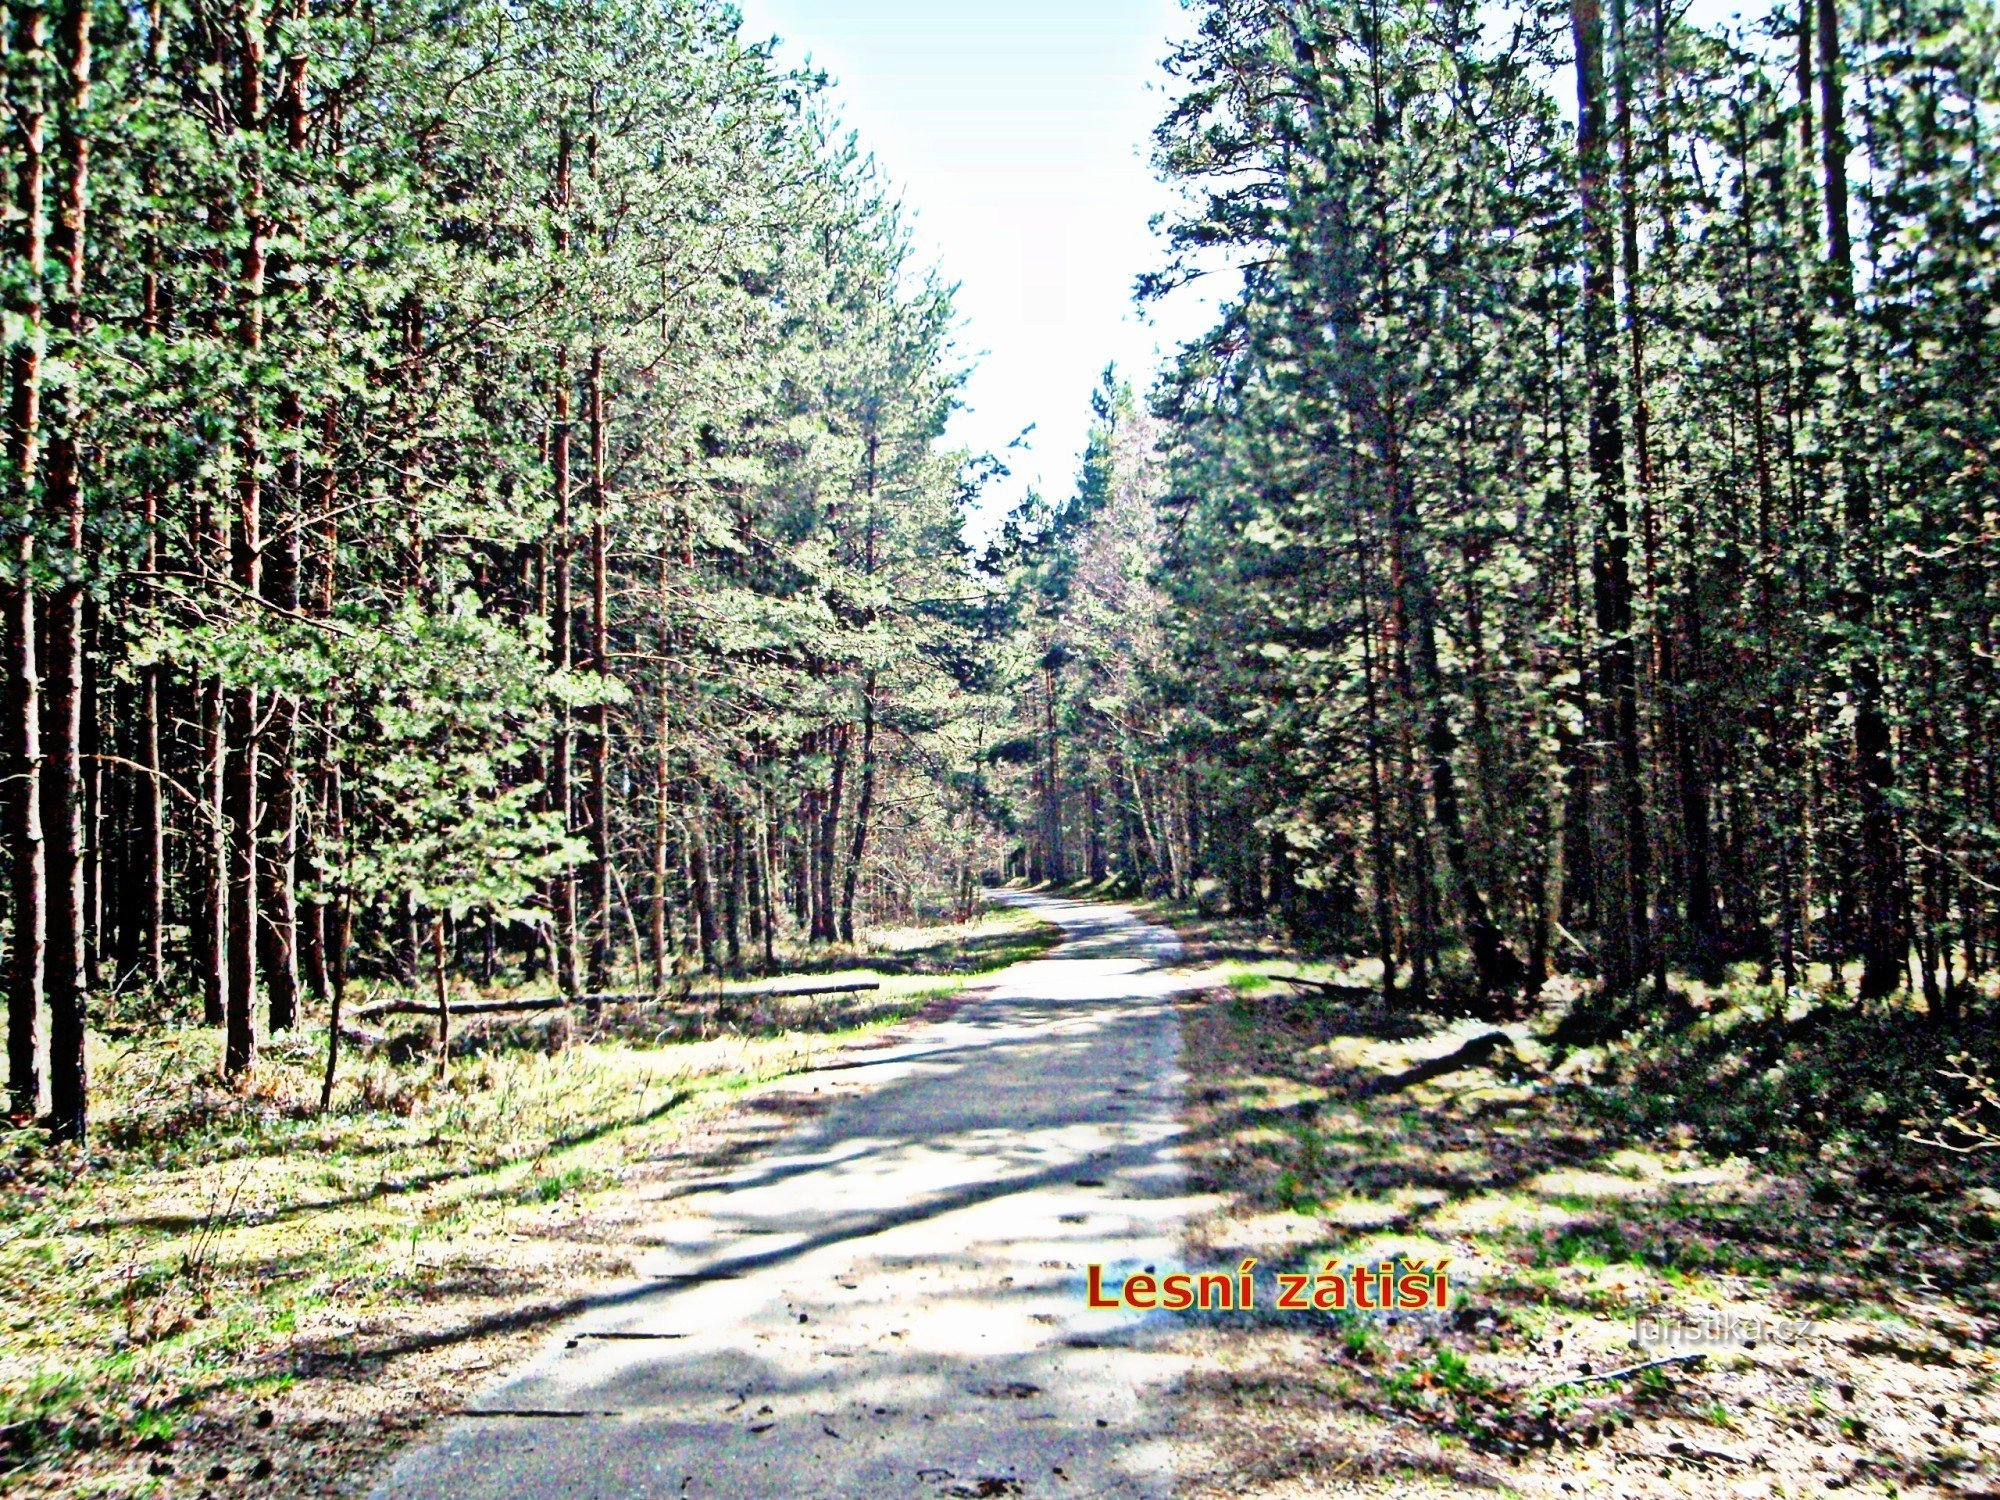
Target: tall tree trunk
{"x": 278, "y": 926}
{"x": 1627, "y": 940}
{"x": 732, "y": 896}
{"x": 825, "y": 838}
{"x": 442, "y": 990}
{"x": 864, "y": 807}
{"x": 1575, "y": 864}
{"x": 758, "y": 876}
{"x": 1884, "y": 942}
{"x": 561, "y": 797}
{"x": 1422, "y": 924}
{"x": 212, "y": 898}
{"x": 1381, "y": 854}
{"x": 316, "y": 945}
{"x": 337, "y": 944}
{"x": 239, "y": 782}
{"x": 768, "y": 847}
{"x": 62, "y": 783}
{"x": 1055, "y": 869}
{"x": 150, "y": 836}
{"x": 662, "y": 793}
{"x": 1654, "y": 955}
{"x": 701, "y": 873}
{"x": 600, "y": 713}
{"x": 21, "y": 768}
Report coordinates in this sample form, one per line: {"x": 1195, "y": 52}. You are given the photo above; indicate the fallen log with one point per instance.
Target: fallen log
{"x": 1474, "y": 1054}
{"x": 1359, "y": 993}
{"x": 493, "y": 1007}
{"x": 556, "y": 1002}
{"x": 799, "y": 990}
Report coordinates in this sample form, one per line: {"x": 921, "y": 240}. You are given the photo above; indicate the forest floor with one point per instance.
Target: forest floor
{"x": 1746, "y": 1185}
{"x": 230, "y": 1293}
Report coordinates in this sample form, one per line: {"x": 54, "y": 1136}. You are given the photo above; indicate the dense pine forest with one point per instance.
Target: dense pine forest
{"x": 1573, "y": 549}
{"x": 472, "y": 484}
{"x": 475, "y": 496}
{"x": 517, "y": 691}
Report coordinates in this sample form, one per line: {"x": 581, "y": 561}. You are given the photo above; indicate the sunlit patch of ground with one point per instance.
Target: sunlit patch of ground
{"x": 1851, "y": 1337}
{"x": 229, "y": 1281}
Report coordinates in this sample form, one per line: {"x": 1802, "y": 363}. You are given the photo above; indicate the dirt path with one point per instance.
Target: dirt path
{"x": 890, "y": 1301}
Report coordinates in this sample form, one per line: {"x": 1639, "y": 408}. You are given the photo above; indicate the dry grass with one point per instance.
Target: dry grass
{"x": 1564, "y": 1203}
{"x": 227, "y": 1279}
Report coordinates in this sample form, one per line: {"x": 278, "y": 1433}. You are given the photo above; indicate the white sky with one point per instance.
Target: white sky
{"x": 1018, "y": 130}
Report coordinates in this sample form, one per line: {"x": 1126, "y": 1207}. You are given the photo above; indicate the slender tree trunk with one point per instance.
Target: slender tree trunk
{"x": 701, "y": 873}
{"x": 337, "y": 923}
{"x": 662, "y": 850}
{"x": 753, "y": 876}
{"x": 1575, "y": 865}
{"x": 150, "y": 837}
{"x": 1627, "y": 938}
{"x": 338, "y": 911}
{"x": 102, "y": 914}
{"x": 825, "y": 839}
{"x": 278, "y": 865}
{"x": 1403, "y": 628}
{"x": 21, "y": 769}
{"x": 1056, "y": 869}
{"x": 1884, "y": 941}
{"x": 1654, "y": 953}
{"x": 1381, "y": 855}
{"x": 561, "y": 798}
{"x": 151, "y": 834}
{"x": 1094, "y": 829}
{"x": 241, "y": 748}
{"x": 212, "y": 903}
{"x": 768, "y": 855}
{"x": 278, "y": 926}
{"x": 600, "y": 714}
{"x": 317, "y": 942}
{"x": 62, "y": 782}
{"x": 662, "y": 790}
{"x": 864, "y": 807}
{"x": 442, "y": 991}
{"x": 732, "y": 896}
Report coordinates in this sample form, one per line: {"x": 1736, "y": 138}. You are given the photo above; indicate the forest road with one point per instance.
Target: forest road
{"x": 890, "y": 1300}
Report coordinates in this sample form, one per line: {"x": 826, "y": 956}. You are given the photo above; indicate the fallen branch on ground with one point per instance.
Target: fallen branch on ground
{"x": 1357, "y": 992}
{"x": 1698, "y": 1357}
{"x": 808, "y": 989}
{"x": 493, "y": 1007}
{"x": 1474, "y": 1054}
{"x": 1685, "y": 1451}
{"x": 557, "y": 1002}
